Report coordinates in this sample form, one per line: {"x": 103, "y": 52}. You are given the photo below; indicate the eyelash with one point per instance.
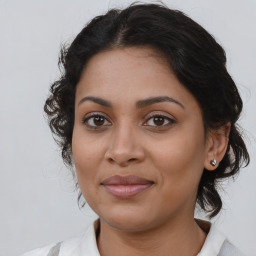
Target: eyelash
{"x": 93, "y": 115}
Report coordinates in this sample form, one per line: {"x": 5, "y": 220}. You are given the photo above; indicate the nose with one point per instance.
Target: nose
{"x": 124, "y": 147}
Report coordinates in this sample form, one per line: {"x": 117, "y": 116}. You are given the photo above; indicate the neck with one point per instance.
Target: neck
{"x": 183, "y": 237}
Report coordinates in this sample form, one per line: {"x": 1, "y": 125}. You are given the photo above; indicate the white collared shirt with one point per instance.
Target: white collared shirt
{"x": 215, "y": 244}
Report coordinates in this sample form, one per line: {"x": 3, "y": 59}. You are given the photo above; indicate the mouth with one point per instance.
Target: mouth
{"x": 126, "y": 186}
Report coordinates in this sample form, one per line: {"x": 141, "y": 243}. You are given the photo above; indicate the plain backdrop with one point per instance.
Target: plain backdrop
{"x": 37, "y": 198}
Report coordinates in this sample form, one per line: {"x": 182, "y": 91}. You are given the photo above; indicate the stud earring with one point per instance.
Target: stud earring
{"x": 213, "y": 162}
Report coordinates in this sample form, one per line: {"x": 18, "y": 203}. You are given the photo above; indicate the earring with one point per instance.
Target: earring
{"x": 213, "y": 162}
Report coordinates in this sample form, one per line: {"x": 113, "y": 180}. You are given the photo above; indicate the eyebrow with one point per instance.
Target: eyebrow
{"x": 139, "y": 104}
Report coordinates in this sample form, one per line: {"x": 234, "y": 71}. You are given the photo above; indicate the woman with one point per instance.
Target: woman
{"x": 146, "y": 112}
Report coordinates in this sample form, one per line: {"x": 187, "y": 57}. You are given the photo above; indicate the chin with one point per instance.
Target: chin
{"x": 130, "y": 219}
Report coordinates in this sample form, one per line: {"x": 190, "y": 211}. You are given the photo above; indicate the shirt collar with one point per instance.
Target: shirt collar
{"x": 211, "y": 247}
{"x": 214, "y": 239}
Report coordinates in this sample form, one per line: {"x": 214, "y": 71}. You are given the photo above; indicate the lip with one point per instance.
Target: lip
{"x": 126, "y": 186}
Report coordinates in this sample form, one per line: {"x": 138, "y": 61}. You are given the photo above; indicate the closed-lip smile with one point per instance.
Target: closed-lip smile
{"x": 126, "y": 186}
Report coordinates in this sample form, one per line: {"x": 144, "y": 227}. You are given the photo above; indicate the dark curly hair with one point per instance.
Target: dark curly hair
{"x": 197, "y": 60}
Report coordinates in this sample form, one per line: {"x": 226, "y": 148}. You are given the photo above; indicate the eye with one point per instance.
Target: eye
{"x": 95, "y": 121}
{"x": 159, "y": 121}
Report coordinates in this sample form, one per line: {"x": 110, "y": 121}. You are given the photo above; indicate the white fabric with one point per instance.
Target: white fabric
{"x": 215, "y": 244}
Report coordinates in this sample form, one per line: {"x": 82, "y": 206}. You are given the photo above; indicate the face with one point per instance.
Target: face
{"x": 134, "y": 118}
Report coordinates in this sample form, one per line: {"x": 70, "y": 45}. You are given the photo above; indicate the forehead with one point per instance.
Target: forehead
{"x": 130, "y": 74}
{"x": 120, "y": 62}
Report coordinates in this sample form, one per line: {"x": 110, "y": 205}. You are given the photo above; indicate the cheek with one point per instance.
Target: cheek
{"x": 85, "y": 148}
{"x": 87, "y": 157}
{"x": 180, "y": 160}
{"x": 180, "y": 167}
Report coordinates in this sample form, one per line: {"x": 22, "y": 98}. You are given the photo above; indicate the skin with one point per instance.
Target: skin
{"x": 172, "y": 153}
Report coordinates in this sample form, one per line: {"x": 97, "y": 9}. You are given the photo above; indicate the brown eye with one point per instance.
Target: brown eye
{"x": 98, "y": 120}
{"x": 95, "y": 121}
{"x": 159, "y": 121}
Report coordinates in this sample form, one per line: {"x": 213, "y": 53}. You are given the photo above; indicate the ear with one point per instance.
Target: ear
{"x": 216, "y": 146}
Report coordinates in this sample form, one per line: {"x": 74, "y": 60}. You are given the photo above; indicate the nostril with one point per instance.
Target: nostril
{"x": 111, "y": 160}
{"x": 132, "y": 159}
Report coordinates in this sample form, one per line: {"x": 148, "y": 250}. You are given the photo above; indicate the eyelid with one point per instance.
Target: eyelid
{"x": 93, "y": 114}
{"x": 159, "y": 113}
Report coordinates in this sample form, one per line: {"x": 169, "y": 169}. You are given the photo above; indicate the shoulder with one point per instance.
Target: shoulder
{"x": 61, "y": 248}
{"x": 230, "y": 249}
{"x": 64, "y": 248}
{"x": 216, "y": 243}
{"x": 43, "y": 251}
{"x": 83, "y": 244}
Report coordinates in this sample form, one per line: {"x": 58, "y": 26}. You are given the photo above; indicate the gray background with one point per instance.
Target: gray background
{"x": 37, "y": 198}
